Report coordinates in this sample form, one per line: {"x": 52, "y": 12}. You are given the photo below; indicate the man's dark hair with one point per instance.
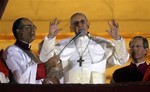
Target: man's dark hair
{"x": 16, "y": 25}
{"x": 145, "y": 41}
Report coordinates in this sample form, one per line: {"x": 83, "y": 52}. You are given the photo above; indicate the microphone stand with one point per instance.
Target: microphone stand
{"x": 74, "y": 38}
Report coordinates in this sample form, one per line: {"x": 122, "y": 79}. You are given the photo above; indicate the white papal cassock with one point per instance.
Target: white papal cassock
{"x": 97, "y": 53}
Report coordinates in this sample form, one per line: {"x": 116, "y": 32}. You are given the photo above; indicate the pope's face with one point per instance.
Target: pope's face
{"x": 79, "y": 23}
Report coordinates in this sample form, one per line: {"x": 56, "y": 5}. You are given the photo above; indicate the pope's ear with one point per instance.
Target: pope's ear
{"x": 88, "y": 24}
{"x": 71, "y": 29}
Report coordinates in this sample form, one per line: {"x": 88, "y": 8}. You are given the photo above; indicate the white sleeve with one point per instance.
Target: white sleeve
{"x": 121, "y": 51}
{"x": 47, "y": 49}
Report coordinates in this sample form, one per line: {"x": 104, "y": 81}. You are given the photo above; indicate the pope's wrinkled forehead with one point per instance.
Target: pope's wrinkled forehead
{"x": 76, "y": 15}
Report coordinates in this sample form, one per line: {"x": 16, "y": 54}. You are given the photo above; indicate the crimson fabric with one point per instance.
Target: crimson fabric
{"x": 142, "y": 68}
{"x": 147, "y": 74}
{"x": 41, "y": 73}
{"x": 3, "y": 68}
{"x": 130, "y": 73}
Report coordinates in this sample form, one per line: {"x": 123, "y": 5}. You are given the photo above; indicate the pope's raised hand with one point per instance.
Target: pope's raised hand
{"x": 53, "y": 28}
{"x": 114, "y": 29}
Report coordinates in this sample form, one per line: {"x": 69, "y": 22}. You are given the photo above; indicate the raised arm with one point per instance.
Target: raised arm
{"x": 114, "y": 30}
{"x": 53, "y": 28}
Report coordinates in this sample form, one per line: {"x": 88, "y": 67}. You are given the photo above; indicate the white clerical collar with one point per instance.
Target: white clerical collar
{"x": 82, "y": 38}
{"x": 137, "y": 64}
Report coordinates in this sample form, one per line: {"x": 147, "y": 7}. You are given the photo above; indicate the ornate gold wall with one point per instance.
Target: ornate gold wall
{"x": 133, "y": 17}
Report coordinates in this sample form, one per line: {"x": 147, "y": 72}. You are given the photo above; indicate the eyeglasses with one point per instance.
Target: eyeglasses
{"x": 137, "y": 46}
{"x": 76, "y": 23}
{"x": 28, "y": 27}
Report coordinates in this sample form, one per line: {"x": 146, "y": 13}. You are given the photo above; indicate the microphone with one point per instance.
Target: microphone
{"x": 78, "y": 35}
{"x": 74, "y": 38}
